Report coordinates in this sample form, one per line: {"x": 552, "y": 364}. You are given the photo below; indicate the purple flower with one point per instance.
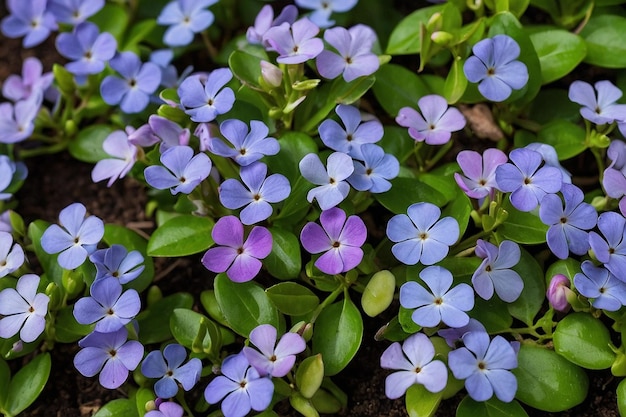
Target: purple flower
{"x": 185, "y": 18}
{"x": 169, "y": 73}
{"x": 526, "y": 179}
{"x": 87, "y": 48}
{"x": 602, "y": 108}
{"x": 205, "y": 97}
{"x": 116, "y": 262}
{"x": 332, "y": 186}
{"x": 607, "y": 290}
{"x": 241, "y": 388}
{"x": 109, "y": 354}
{"x": 256, "y": 195}
{"x": 413, "y": 361}
{"x": 436, "y": 122}
{"x": 132, "y": 91}
{"x": 124, "y": 155}
{"x": 238, "y": 258}
{"x": 354, "y": 57}
{"x": 108, "y": 306}
{"x": 248, "y": 147}
{"x": 17, "y": 121}
{"x": 322, "y": 9}
{"x": 377, "y": 168}
{"x": 74, "y": 11}
{"x": 495, "y": 271}
{"x": 76, "y": 238}
{"x": 159, "y": 129}
{"x": 182, "y": 171}
{"x": 485, "y": 366}
{"x": 454, "y": 336}
{"x": 421, "y": 236}
{"x": 32, "y": 81}
{"x": 495, "y": 67}
{"x": 295, "y": 43}
{"x": 271, "y": 358}
{"x": 206, "y": 132}
{"x": 23, "y": 310}
{"x": 339, "y": 238}
{"x": 479, "y": 172}
{"x": 557, "y": 292}
{"x": 439, "y": 303}
{"x": 168, "y": 366}
{"x": 30, "y": 19}
{"x": 355, "y": 134}
{"x": 550, "y": 158}
{"x": 611, "y": 250}
{"x": 165, "y": 409}
{"x": 11, "y": 255}
{"x": 569, "y": 224}
{"x": 265, "y": 20}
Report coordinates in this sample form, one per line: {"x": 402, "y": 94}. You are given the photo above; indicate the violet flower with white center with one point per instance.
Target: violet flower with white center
{"x": 485, "y": 365}
{"x": 495, "y": 67}
{"x": 23, "y": 309}
{"x": 241, "y": 388}
{"x": 340, "y": 239}
{"x": 11, "y": 255}
{"x": 479, "y": 172}
{"x": 32, "y": 81}
{"x": 495, "y": 271}
{"x": 332, "y": 185}
{"x": 257, "y": 193}
{"x": 185, "y": 18}
{"x": 265, "y": 20}
{"x": 454, "y": 336}
{"x": 440, "y": 303}
{"x": 30, "y": 19}
{"x": 116, "y": 262}
{"x": 75, "y": 238}
{"x": 600, "y": 108}
{"x": 606, "y": 290}
{"x": 109, "y": 354}
{"x": 295, "y": 43}
{"x": 124, "y": 155}
{"x": 569, "y": 223}
{"x": 248, "y": 146}
{"x": 436, "y": 122}
{"x": 86, "y": 48}
{"x": 611, "y": 250}
{"x": 182, "y": 171}
{"x": 550, "y": 158}
{"x": 557, "y": 292}
{"x": 17, "y": 121}
{"x": 356, "y": 133}
{"x": 74, "y": 11}
{"x": 322, "y": 9}
{"x": 271, "y": 358}
{"x": 413, "y": 361}
{"x": 353, "y": 57}
{"x": 238, "y": 258}
{"x": 168, "y": 367}
{"x": 420, "y": 235}
{"x": 165, "y": 409}
{"x": 526, "y": 180}
{"x": 377, "y": 169}
{"x": 108, "y": 307}
{"x": 204, "y": 97}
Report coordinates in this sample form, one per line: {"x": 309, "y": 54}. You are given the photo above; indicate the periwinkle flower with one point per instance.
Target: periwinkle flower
{"x": 23, "y": 309}
{"x": 550, "y": 158}
{"x": 111, "y": 355}
{"x": 11, "y": 254}
{"x": 75, "y": 238}
{"x": 185, "y": 18}
{"x": 116, "y": 262}
{"x": 557, "y": 292}
{"x": 182, "y": 170}
{"x": 439, "y": 303}
{"x": 454, "y": 335}
{"x": 495, "y": 273}
{"x": 74, "y": 11}
{"x": 265, "y": 20}
{"x": 331, "y": 181}
{"x": 414, "y": 364}
{"x": 606, "y": 290}
{"x": 271, "y": 358}
{"x": 600, "y": 107}
{"x": 295, "y": 43}
{"x": 436, "y": 122}
{"x": 30, "y": 19}
{"x": 495, "y": 67}
{"x": 10, "y": 174}
{"x": 17, "y": 121}
{"x": 32, "y": 81}
{"x": 485, "y": 365}
{"x": 160, "y": 130}
{"x": 421, "y": 235}
{"x": 374, "y": 173}
{"x": 169, "y": 368}
{"x": 611, "y": 250}
{"x": 240, "y": 386}
{"x": 322, "y": 9}
{"x": 479, "y": 172}
{"x": 247, "y": 146}
{"x": 204, "y": 97}
{"x": 170, "y": 78}
{"x": 124, "y": 155}
{"x": 238, "y": 258}
{"x": 86, "y": 48}
{"x": 340, "y": 239}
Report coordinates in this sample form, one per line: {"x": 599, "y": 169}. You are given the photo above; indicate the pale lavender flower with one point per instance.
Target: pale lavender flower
{"x": 479, "y": 172}
{"x": 440, "y": 303}
{"x": 377, "y": 169}
{"x": 86, "y": 48}
{"x": 168, "y": 132}
{"x": 32, "y": 81}
{"x": 185, "y": 18}
{"x": 607, "y": 291}
{"x": 109, "y": 354}
{"x": 271, "y": 358}
{"x": 11, "y": 255}
{"x": 322, "y": 9}
{"x": 611, "y": 250}
{"x": 436, "y": 122}
{"x": 332, "y": 185}
{"x": 247, "y": 146}
{"x": 454, "y": 336}
{"x": 557, "y": 292}
{"x": 169, "y": 368}
{"x": 265, "y": 20}
{"x": 124, "y": 155}
{"x": 413, "y": 361}
{"x": 5, "y": 222}
{"x": 17, "y": 121}
{"x": 182, "y": 170}
{"x": 340, "y": 239}
{"x": 10, "y": 174}
{"x": 495, "y": 271}
{"x": 30, "y": 19}
{"x": 238, "y": 258}
{"x": 495, "y": 67}
{"x": 74, "y": 11}
{"x": 169, "y": 73}
{"x": 116, "y": 262}
{"x": 550, "y": 158}
{"x": 598, "y": 108}
{"x": 204, "y": 97}
{"x": 206, "y": 132}
{"x": 420, "y": 235}
{"x": 165, "y": 409}
{"x": 295, "y": 43}
{"x": 23, "y": 309}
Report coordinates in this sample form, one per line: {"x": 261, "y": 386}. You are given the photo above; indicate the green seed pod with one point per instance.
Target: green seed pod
{"x": 378, "y": 293}
{"x": 309, "y": 375}
{"x": 303, "y": 405}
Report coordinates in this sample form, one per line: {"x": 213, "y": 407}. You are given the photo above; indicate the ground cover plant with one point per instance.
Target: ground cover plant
{"x": 456, "y": 168}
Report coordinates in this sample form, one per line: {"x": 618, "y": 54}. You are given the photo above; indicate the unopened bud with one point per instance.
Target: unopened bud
{"x": 442, "y": 38}
{"x": 271, "y": 74}
{"x": 557, "y": 292}
{"x": 435, "y": 22}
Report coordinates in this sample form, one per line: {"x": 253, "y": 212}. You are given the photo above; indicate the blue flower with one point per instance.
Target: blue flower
{"x": 332, "y": 186}
{"x": 605, "y": 289}
{"x": 599, "y": 109}
{"x": 11, "y": 255}
{"x": 611, "y": 250}
{"x": 295, "y": 43}
{"x": 436, "y": 122}
{"x": 168, "y": 366}
{"x": 495, "y": 271}
{"x": 377, "y": 169}
{"x": 30, "y": 19}
{"x": 204, "y": 97}
{"x": 87, "y": 48}
{"x": 185, "y": 18}
{"x": 74, "y": 11}
{"x": 354, "y": 57}
{"x": 23, "y": 309}
{"x": 17, "y": 121}
{"x": 248, "y": 146}
{"x": 322, "y": 9}
{"x": 271, "y": 358}
{"x": 116, "y": 262}
{"x": 182, "y": 170}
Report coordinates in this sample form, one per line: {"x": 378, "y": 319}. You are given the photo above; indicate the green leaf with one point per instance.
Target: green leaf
{"x": 492, "y": 313}
{"x": 151, "y": 319}
{"x": 621, "y": 397}
{"x": 246, "y": 67}
{"x": 64, "y": 80}
{"x": 181, "y": 236}
{"x": 28, "y": 383}
{"x": 567, "y": 138}
{"x": 116, "y": 234}
{"x": 456, "y": 82}
{"x": 531, "y": 299}
{"x": 293, "y": 299}
{"x": 420, "y": 402}
{"x": 405, "y": 38}
{"x": 87, "y": 146}
{"x": 407, "y": 191}
{"x": 112, "y": 18}
{"x": 293, "y": 147}
{"x": 584, "y": 340}
{"x": 121, "y": 407}
{"x": 397, "y": 87}
{"x": 67, "y": 329}
{"x": 490, "y": 408}
{"x": 522, "y": 227}
{"x": 296, "y": 206}
{"x": 568, "y": 267}
{"x": 378, "y": 293}
{"x": 48, "y": 262}
{"x": 552, "y": 104}
{"x": 5, "y": 378}
{"x": 396, "y": 141}
{"x": 284, "y": 261}
{"x": 559, "y": 52}
{"x": 604, "y": 35}
{"x": 195, "y": 331}
{"x": 142, "y": 396}
{"x": 337, "y": 335}
{"x": 137, "y": 34}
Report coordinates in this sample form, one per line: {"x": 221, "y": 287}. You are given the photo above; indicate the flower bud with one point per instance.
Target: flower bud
{"x": 442, "y": 38}
{"x": 309, "y": 375}
{"x": 271, "y": 74}
{"x": 378, "y": 293}
{"x": 557, "y": 292}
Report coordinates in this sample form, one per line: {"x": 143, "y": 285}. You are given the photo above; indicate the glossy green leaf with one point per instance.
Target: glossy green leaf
{"x": 405, "y": 38}
{"x": 407, "y": 191}
{"x": 621, "y": 397}
{"x": 64, "y": 80}
{"x": 492, "y": 313}
{"x": 337, "y": 335}
{"x": 490, "y": 408}
{"x": 67, "y": 329}
{"x": 397, "y": 86}
{"x": 150, "y": 320}
{"x": 547, "y": 381}
{"x": 396, "y": 141}
{"x": 5, "y": 378}
{"x": 526, "y": 307}
{"x": 285, "y": 260}
{"x": 246, "y": 67}
{"x": 405, "y": 318}
{"x": 584, "y": 340}
{"x": 420, "y": 402}
{"x": 87, "y": 146}
{"x": 559, "y": 52}
{"x": 138, "y": 33}
{"x": 567, "y": 138}
{"x": 142, "y": 397}
{"x": 121, "y": 407}
{"x": 194, "y": 330}
{"x": 456, "y": 82}
{"x": 296, "y": 206}
{"x": 27, "y": 384}
{"x": 292, "y": 298}
{"x": 112, "y": 18}
{"x": 604, "y": 35}
{"x": 181, "y": 236}
{"x": 552, "y": 104}
{"x": 293, "y": 147}
{"x": 378, "y": 293}
{"x": 309, "y": 375}
{"x": 522, "y": 227}
{"x": 568, "y": 267}
{"x": 116, "y": 234}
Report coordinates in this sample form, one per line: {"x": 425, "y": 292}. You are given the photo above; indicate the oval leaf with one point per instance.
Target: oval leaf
{"x": 284, "y": 261}
{"x": 422, "y": 403}
{"x": 559, "y": 52}
{"x": 604, "y": 35}
{"x": 522, "y": 227}
{"x": 151, "y": 320}
{"x": 398, "y": 87}
{"x": 490, "y": 408}
{"x": 28, "y": 383}
{"x": 121, "y": 407}
{"x": 584, "y": 340}
{"x": 405, "y": 38}
{"x": 293, "y": 299}
{"x": 531, "y": 299}
{"x": 181, "y": 236}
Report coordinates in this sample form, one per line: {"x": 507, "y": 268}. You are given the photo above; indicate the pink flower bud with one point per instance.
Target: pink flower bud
{"x": 557, "y": 292}
{"x": 271, "y": 74}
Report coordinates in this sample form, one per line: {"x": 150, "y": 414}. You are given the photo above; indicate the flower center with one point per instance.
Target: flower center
{"x": 423, "y": 236}
{"x": 239, "y": 250}
{"x": 482, "y": 365}
{"x": 336, "y": 244}
{"x": 491, "y": 71}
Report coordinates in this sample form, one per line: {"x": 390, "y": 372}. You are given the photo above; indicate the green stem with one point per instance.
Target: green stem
{"x": 329, "y": 300}
{"x": 47, "y": 150}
